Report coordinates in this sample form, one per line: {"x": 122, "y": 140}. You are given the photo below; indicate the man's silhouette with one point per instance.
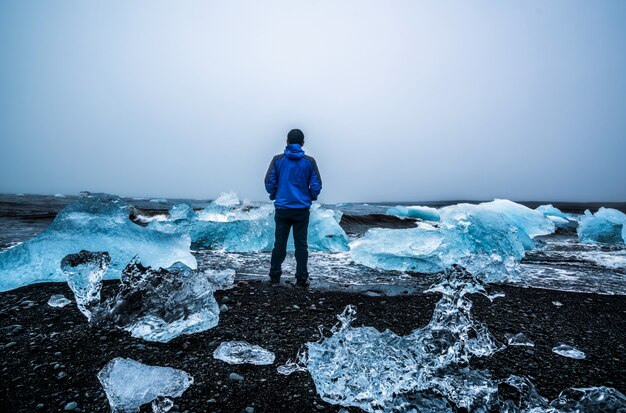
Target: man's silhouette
{"x": 293, "y": 181}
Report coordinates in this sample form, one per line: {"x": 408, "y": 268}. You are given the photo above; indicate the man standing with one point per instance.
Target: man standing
{"x": 293, "y": 181}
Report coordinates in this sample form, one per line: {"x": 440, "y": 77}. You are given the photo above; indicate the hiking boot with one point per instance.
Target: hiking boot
{"x": 303, "y": 283}
{"x": 274, "y": 280}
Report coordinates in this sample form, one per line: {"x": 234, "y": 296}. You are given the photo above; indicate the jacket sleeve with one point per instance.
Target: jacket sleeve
{"x": 271, "y": 180}
{"x": 315, "y": 181}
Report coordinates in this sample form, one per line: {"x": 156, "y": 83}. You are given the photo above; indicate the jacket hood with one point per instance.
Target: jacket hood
{"x": 294, "y": 151}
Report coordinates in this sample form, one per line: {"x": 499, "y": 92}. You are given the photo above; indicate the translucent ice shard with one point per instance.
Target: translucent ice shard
{"x": 607, "y": 226}
{"x": 566, "y": 350}
{"x": 519, "y": 339}
{"x": 240, "y": 352}
{"x": 419, "y": 212}
{"x": 161, "y": 304}
{"x": 590, "y": 400}
{"x": 58, "y": 300}
{"x": 84, "y": 276}
{"x": 228, "y": 225}
{"x": 129, "y": 384}
{"x": 381, "y": 371}
{"x": 94, "y": 222}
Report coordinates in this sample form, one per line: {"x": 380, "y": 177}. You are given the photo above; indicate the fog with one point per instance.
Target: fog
{"x": 398, "y": 100}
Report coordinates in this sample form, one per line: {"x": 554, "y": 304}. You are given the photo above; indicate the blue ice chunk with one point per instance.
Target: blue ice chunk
{"x": 94, "y": 222}
{"x": 488, "y": 239}
{"x": 162, "y": 304}
{"x": 227, "y": 225}
{"x": 418, "y": 212}
{"x": 607, "y": 226}
{"x": 532, "y": 222}
{"x": 128, "y": 384}
{"x": 58, "y": 300}
{"x": 560, "y": 219}
{"x": 566, "y": 350}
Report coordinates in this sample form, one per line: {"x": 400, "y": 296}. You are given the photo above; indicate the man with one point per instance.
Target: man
{"x": 293, "y": 181}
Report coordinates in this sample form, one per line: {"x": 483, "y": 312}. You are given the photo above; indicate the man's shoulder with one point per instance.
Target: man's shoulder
{"x": 310, "y": 158}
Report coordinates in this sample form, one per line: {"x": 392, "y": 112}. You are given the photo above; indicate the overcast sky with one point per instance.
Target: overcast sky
{"x": 398, "y": 100}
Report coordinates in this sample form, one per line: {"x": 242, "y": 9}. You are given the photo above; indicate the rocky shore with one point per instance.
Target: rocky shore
{"x": 50, "y": 356}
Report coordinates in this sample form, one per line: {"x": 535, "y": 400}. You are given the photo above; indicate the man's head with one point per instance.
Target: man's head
{"x": 295, "y": 136}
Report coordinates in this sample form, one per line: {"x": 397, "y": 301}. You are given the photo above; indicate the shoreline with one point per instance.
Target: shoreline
{"x": 54, "y": 340}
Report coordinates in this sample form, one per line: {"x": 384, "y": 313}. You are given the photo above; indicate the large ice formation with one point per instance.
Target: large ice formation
{"x": 607, "y": 226}
{"x": 241, "y": 352}
{"x": 362, "y": 367}
{"x": 161, "y": 304}
{"x": 84, "y": 273}
{"x": 129, "y": 384}
{"x": 226, "y": 224}
{"x": 94, "y": 222}
{"x": 560, "y": 219}
{"x": 488, "y": 239}
{"x": 418, "y": 212}
{"x": 429, "y": 369}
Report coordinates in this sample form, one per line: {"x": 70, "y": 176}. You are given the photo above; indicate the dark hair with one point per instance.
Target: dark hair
{"x": 295, "y": 136}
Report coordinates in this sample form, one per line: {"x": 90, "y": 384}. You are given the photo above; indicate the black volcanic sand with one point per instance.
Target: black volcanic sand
{"x": 39, "y": 344}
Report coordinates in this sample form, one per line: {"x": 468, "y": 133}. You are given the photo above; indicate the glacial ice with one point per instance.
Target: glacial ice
{"x": 566, "y": 350}
{"x": 58, "y": 300}
{"x": 530, "y": 221}
{"x": 226, "y": 224}
{"x": 84, "y": 273}
{"x": 429, "y": 370}
{"x": 94, "y": 222}
{"x": 241, "y": 352}
{"x": 362, "y": 367}
{"x": 560, "y": 219}
{"x": 129, "y": 384}
{"x": 607, "y": 226}
{"x": 519, "y": 339}
{"x": 161, "y": 304}
{"x": 418, "y": 212}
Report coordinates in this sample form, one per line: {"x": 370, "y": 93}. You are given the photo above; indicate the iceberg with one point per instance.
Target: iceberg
{"x": 58, "y": 300}
{"x": 241, "y": 352}
{"x": 566, "y": 350}
{"x": 129, "y": 384}
{"x": 94, "y": 222}
{"x": 226, "y": 224}
{"x": 488, "y": 239}
{"x": 607, "y": 226}
{"x": 560, "y": 219}
{"x": 161, "y": 304}
{"x": 84, "y": 276}
{"x": 418, "y": 212}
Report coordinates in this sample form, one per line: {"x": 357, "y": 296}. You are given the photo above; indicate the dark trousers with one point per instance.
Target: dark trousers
{"x": 299, "y": 220}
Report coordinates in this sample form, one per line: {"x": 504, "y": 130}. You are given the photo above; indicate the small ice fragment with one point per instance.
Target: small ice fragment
{"x": 128, "y": 384}
{"x": 159, "y": 200}
{"x": 162, "y": 405}
{"x": 240, "y": 352}
{"x": 557, "y": 303}
{"x": 519, "y": 339}
{"x": 58, "y": 300}
{"x": 59, "y": 196}
{"x": 227, "y": 199}
{"x": 84, "y": 276}
{"x": 568, "y": 351}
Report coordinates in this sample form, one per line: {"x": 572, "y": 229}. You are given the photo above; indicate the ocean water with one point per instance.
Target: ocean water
{"x": 560, "y": 262}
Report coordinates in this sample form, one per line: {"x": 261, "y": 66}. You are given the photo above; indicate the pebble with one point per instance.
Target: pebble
{"x": 62, "y": 375}
{"x": 103, "y": 338}
{"x": 249, "y": 409}
{"x": 71, "y": 406}
{"x": 40, "y": 406}
{"x": 224, "y": 308}
{"x": 235, "y": 376}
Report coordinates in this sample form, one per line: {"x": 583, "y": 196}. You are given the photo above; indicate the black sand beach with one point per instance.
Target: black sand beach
{"x": 50, "y": 356}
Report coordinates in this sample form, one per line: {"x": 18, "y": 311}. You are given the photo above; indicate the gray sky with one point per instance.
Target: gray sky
{"x": 399, "y": 100}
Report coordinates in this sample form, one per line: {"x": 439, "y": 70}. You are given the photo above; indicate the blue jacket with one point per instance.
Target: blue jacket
{"x": 293, "y": 180}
